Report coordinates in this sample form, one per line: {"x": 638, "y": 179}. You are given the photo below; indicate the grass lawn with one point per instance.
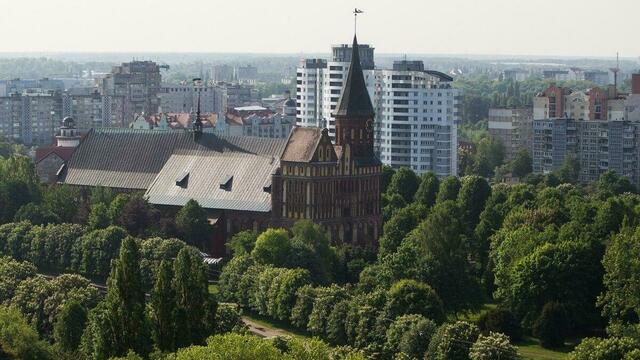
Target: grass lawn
{"x": 213, "y": 289}
{"x": 530, "y": 349}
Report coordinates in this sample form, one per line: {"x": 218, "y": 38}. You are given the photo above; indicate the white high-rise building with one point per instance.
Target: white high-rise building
{"x": 417, "y": 110}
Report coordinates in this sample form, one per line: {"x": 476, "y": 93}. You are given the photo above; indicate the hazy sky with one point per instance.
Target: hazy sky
{"x": 518, "y": 27}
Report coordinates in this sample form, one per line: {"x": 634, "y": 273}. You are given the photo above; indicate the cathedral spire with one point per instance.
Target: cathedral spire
{"x": 355, "y": 100}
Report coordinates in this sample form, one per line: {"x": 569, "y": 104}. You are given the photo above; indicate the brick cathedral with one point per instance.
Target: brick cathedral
{"x": 338, "y": 185}
{"x": 249, "y": 183}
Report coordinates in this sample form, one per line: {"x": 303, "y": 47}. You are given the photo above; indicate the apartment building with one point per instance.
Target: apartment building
{"x": 513, "y": 127}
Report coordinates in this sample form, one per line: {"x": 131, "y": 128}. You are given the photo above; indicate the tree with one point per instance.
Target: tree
{"x": 70, "y": 325}
{"x": 93, "y": 252}
{"x": 62, "y": 200}
{"x": 192, "y": 223}
{"x": 272, "y": 247}
{"x": 122, "y": 319}
{"x": 489, "y": 155}
{"x": 621, "y": 279}
{"x": 310, "y": 249}
{"x": 453, "y": 341}
{"x": 405, "y": 183}
{"x": 610, "y": 184}
{"x": 500, "y": 321}
{"x": 99, "y": 217}
{"x": 604, "y": 349}
{"x": 409, "y": 335}
{"x": 325, "y": 299}
{"x": 161, "y": 308}
{"x": 36, "y": 214}
{"x": 101, "y": 195}
{"x": 18, "y": 340}
{"x": 397, "y": 228}
{"x": 493, "y": 346}
{"x": 569, "y": 172}
{"x": 471, "y": 200}
{"x": 336, "y": 332}
{"x": 551, "y": 327}
{"x": 305, "y": 297}
{"x": 230, "y": 277}
{"x": 194, "y": 308}
{"x": 413, "y": 297}
{"x": 449, "y": 188}
{"x": 242, "y": 242}
{"x": 428, "y": 189}
{"x": 522, "y": 164}
{"x": 137, "y": 216}
{"x": 116, "y": 206}
{"x": 385, "y": 177}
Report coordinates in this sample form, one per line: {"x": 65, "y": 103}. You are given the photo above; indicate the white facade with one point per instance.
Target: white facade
{"x": 416, "y": 111}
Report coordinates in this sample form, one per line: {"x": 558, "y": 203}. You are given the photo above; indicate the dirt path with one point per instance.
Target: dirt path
{"x": 262, "y": 330}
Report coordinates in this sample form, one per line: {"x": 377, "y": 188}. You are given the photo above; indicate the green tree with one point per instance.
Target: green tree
{"x": 310, "y": 249}
{"x": 552, "y": 325}
{"x": 62, "y": 200}
{"x": 18, "y": 340}
{"x": 413, "y": 297}
{"x": 305, "y": 297}
{"x": 493, "y": 346}
{"x": 99, "y": 217}
{"x": 569, "y": 172}
{"x": 472, "y": 198}
{"x": 385, "y": 177}
{"x": 272, "y": 247}
{"x": 409, "y": 335}
{"x": 405, "y": 183}
{"x": 453, "y": 341}
{"x": 604, "y": 349}
{"x": 428, "y": 189}
{"x": 397, "y": 228}
{"x": 161, "y": 309}
{"x": 116, "y": 206}
{"x": 137, "y": 216}
{"x": 522, "y": 164}
{"x": 192, "y": 223}
{"x": 70, "y": 325}
{"x": 621, "y": 279}
{"x": 501, "y": 321}
{"x": 242, "y": 242}
{"x": 194, "y": 308}
{"x": 36, "y": 214}
{"x": 230, "y": 277}
{"x": 449, "y": 189}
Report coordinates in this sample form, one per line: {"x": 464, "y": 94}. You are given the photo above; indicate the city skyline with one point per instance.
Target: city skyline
{"x": 460, "y": 27}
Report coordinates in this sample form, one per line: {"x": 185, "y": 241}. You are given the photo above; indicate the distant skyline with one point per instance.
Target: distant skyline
{"x": 473, "y": 27}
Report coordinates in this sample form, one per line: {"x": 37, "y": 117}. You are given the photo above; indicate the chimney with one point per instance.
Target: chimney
{"x": 635, "y": 84}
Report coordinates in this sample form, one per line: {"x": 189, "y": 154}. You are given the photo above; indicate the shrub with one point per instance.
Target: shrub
{"x": 493, "y": 346}
{"x": 502, "y": 321}
{"x": 604, "y": 349}
{"x": 551, "y": 327}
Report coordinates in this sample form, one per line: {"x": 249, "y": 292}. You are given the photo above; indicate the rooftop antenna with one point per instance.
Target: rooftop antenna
{"x": 197, "y": 123}
{"x": 356, "y": 11}
{"x": 615, "y": 71}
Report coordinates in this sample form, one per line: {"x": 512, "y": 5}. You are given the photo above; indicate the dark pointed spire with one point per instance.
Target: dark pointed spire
{"x": 355, "y": 100}
{"x": 197, "y": 123}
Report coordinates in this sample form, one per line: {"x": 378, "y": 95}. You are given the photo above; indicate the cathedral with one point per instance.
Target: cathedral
{"x": 249, "y": 183}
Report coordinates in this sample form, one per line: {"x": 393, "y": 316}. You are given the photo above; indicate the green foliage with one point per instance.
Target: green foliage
{"x": 405, "y": 183}
{"x": 552, "y": 325}
{"x": 272, "y": 247}
{"x": 230, "y": 277}
{"x": 70, "y": 325}
{"x": 192, "y": 223}
{"x": 305, "y": 298}
{"x": 137, "y": 215}
{"x": 229, "y": 319}
{"x": 36, "y": 214}
{"x": 399, "y": 226}
{"x": 610, "y": 184}
{"x": 12, "y": 273}
{"x": 99, "y": 217}
{"x": 453, "y": 341}
{"x": 242, "y": 242}
{"x": 493, "y": 346}
{"x": 62, "y": 200}
{"x": 325, "y": 299}
{"x": 569, "y": 172}
{"x": 152, "y": 252}
{"x": 18, "y": 340}
{"x": 622, "y": 278}
{"x": 116, "y": 206}
{"x": 19, "y": 185}
{"x": 428, "y": 189}
{"x": 194, "y": 309}
{"x": 472, "y": 198}
{"x": 412, "y": 297}
{"x": 101, "y": 195}
{"x": 500, "y": 321}
{"x": 161, "y": 309}
{"x": 385, "y": 177}
{"x": 409, "y": 335}
{"x": 522, "y": 164}
{"x": 448, "y": 190}
{"x": 94, "y": 251}
{"x": 604, "y": 349}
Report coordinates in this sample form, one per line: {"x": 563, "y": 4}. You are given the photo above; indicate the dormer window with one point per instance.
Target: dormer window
{"x": 183, "y": 179}
{"x": 226, "y": 183}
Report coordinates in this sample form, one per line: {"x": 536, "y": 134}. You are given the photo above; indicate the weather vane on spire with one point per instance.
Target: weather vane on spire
{"x": 356, "y": 11}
